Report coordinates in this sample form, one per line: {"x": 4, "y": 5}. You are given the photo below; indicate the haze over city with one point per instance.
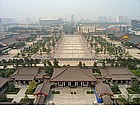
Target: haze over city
{"x": 88, "y": 9}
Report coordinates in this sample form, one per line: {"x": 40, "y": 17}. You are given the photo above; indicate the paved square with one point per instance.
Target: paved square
{"x": 66, "y": 98}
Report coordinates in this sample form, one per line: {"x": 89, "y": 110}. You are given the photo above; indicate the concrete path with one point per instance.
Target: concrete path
{"x": 14, "y": 95}
{"x": 123, "y": 90}
{"x": 72, "y": 99}
{"x": 20, "y": 95}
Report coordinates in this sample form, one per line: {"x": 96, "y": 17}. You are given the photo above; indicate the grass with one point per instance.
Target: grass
{"x": 29, "y": 101}
{"x": 117, "y": 92}
{"x": 13, "y": 92}
{"x": 55, "y": 92}
{"x": 9, "y": 99}
{"x": 90, "y": 92}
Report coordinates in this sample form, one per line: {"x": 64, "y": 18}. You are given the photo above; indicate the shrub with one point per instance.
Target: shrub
{"x": 90, "y": 92}
{"x": 55, "y": 92}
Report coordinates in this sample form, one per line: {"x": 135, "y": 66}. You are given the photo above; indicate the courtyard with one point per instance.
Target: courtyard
{"x": 72, "y": 96}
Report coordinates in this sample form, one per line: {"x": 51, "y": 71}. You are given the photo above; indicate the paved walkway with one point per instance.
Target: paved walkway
{"x": 73, "y": 99}
{"x": 14, "y": 95}
{"x": 123, "y": 90}
{"x": 20, "y": 95}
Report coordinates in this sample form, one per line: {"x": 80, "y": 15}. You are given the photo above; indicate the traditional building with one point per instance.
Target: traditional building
{"x": 42, "y": 91}
{"x": 26, "y": 74}
{"x": 122, "y": 36}
{"x": 135, "y": 41}
{"x": 3, "y": 84}
{"x": 72, "y": 77}
{"x": 117, "y": 74}
{"x": 103, "y": 93}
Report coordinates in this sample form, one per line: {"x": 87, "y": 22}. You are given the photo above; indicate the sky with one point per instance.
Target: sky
{"x": 87, "y": 9}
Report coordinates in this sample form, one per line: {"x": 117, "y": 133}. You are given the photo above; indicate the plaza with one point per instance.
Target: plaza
{"x": 66, "y": 98}
{"x": 73, "y": 46}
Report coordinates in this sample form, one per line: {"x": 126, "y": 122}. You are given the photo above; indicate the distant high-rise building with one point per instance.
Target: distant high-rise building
{"x": 6, "y": 21}
{"x": 0, "y": 22}
{"x": 102, "y": 19}
{"x": 72, "y": 18}
{"x": 49, "y": 22}
{"x": 135, "y": 24}
{"x": 121, "y": 19}
{"x": 111, "y": 20}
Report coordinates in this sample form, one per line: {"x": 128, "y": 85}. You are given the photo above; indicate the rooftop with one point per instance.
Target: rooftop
{"x": 117, "y": 73}
{"x": 3, "y": 81}
{"x": 72, "y": 74}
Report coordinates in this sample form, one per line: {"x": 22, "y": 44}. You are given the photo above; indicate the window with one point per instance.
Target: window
{"x": 85, "y": 83}
{"x": 60, "y": 83}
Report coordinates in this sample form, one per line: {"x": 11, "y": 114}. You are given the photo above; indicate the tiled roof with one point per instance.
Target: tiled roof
{"x": 44, "y": 88}
{"x": 9, "y": 41}
{"x": 24, "y": 78}
{"x": 119, "y": 34}
{"x": 135, "y": 40}
{"x": 3, "y": 81}
{"x": 72, "y": 74}
{"x": 117, "y": 73}
{"x": 32, "y": 71}
{"x": 102, "y": 89}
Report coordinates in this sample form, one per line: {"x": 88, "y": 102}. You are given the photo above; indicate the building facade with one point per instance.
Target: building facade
{"x": 135, "y": 24}
{"x": 73, "y": 77}
{"x": 49, "y": 22}
{"x": 87, "y": 29}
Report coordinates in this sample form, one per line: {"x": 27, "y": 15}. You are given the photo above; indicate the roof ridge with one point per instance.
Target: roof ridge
{"x": 85, "y": 73}
{"x": 60, "y": 73}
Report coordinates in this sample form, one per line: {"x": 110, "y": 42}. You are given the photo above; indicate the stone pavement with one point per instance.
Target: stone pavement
{"x": 20, "y": 95}
{"x": 123, "y": 90}
{"x": 73, "y": 46}
{"x": 73, "y": 99}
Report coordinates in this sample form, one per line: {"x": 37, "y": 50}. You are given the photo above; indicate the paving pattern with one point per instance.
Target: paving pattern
{"x": 20, "y": 95}
{"x": 74, "y": 99}
{"x": 66, "y": 98}
{"x": 73, "y": 46}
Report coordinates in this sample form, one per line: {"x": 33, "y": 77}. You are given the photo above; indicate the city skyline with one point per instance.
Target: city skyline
{"x": 87, "y": 9}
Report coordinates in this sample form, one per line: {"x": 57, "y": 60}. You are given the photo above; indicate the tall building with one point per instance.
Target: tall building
{"x": 6, "y": 21}
{"x": 102, "y": 19}
{"x": 121, "y": 19}
{"x": 135, "y": 24}
{"x": 0, "y": 22}
{"x": 72, "y": 18}
{"x": 49, "y": 22}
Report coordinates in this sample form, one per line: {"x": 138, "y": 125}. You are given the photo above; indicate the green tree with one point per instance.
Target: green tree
{"x": 3, "y": 97}
{"x": 27, "y": 100}
{"x": 11, "y": 87}
{"x": 103, "y": 64}
{"x": 49, "y": 70}
{"x": 49, "y": 63}
{"x": 115, "y": 88}
{"x": 80, "y": 64}
{"x": 135, "y": 86}
{"x": 126, "y": 100}
{"x": 32, "y": 86}
{"x": 56, "y": 63}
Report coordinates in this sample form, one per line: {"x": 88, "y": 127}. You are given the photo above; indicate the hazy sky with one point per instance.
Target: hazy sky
{"x": 88, "y": 9}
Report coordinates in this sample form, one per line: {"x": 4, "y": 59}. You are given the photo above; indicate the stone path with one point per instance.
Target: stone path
{"x": 73, "y": 46}
{"x": 20, "y": 95}
{"x": 123, "y": 90}
{"x": 73, "y": 99}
